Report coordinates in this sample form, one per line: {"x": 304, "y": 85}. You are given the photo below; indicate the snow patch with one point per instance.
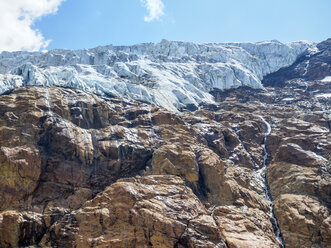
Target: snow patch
{"x": 326, "y": 79}
{"x": 326, "y": 95}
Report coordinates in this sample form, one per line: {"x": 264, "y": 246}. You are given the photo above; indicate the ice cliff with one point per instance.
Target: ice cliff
{"x": 170, "y": 74}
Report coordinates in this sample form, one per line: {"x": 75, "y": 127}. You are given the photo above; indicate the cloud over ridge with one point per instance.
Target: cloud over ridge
{"x": 16, "y": 23}
{"x": 154, "y": 8}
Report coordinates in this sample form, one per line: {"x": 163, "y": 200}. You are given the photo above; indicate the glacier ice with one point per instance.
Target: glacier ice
{"x": 171, "y": 74}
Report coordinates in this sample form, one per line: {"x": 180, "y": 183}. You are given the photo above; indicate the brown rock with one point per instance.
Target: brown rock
{"x": 176, "y": 160}
{"x": 20, "y": 229}
{"x": 293, "y": 153}
{"x": 20, "y": 171}
{"x": 62, "y": 150}
{"x": 245, "y": 227}
{"x": 285, "y": 178}
{"x": 304, "y": 221}
{"x": 158, "y": 211}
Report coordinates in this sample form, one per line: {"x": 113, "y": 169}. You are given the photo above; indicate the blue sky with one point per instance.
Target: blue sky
{"x": 75, "y": 24}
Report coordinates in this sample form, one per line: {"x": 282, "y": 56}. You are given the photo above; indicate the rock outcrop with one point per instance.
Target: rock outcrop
{"x": 155, "y": 211}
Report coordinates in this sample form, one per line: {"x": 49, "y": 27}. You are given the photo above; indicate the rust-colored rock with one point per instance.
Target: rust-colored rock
{"x": 304, "y": 221}
{"x": 18, "y": 229}
{"x": 156, "y": 211}
{"x": 245, "y": 227}
{"x": 176, "y": 160}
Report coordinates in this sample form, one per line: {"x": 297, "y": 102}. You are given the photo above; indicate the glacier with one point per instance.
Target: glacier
{"x": 171, "y": 74}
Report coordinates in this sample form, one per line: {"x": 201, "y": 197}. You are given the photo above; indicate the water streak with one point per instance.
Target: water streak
{"x": 264, "y": 183}
{"x": 48, "y": 104}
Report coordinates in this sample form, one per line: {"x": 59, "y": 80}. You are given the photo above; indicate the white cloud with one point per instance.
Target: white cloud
{"x": 16, "y": 23}
{"x": 155, "y": 9}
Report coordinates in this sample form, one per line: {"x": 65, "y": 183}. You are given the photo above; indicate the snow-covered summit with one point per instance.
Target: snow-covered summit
{"x": 171, "y": 74}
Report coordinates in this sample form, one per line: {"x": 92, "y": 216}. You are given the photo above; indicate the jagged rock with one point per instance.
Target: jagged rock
{"x": 285, "y": 178}
{"x": 293, "y": 153}
{"x": 20, "y": 229}
{"x": 214, "y": 137}
{"x": 20, "y": 170}
{"x": 176, "y": 160}
{"x": 242, "y": 227}
{"x": 44, "y": 144}
{"x": 157, "y": 211}
{"x": 304, "y": 221}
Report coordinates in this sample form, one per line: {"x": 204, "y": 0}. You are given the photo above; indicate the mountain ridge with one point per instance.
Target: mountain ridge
{"x": 170, "y": 74}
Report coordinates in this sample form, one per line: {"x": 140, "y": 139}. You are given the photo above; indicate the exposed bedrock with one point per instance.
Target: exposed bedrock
{"x": 80, "y": 169}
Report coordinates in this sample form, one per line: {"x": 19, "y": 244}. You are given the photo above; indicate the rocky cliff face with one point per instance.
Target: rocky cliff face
{"x": 251, "y": 168}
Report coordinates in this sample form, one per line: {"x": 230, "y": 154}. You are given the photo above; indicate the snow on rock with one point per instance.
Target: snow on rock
{"x": 326, "y": 95}
{"x": 326, "y": 79}
{"x": 170, "y": 74}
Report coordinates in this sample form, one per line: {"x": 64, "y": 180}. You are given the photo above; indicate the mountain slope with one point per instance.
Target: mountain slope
{"x": 251, "y": 168}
